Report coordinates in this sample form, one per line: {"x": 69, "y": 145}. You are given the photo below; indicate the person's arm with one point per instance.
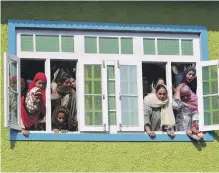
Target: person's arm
{"x": 147, "y": 115}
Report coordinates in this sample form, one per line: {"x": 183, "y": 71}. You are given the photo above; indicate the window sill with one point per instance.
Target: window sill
{"x": 128, "y": 137}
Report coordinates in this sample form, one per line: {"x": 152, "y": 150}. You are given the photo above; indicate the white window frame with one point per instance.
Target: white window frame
{"x": 83, "y": 127}
{"x": 140, "y": 126}
{"x": 7, "y": 123}
{"x": 81, "y": 57}
{"x": 202, "y": 64}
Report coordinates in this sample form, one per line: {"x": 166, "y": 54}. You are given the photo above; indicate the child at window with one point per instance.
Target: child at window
{"x": 30, "y": 118}
{"x": 61, "y": 120}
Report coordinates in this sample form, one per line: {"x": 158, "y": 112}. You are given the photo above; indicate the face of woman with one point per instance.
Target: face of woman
{"x": 160, "y": 82}
{"x": 73, "y": 83}
{"x": 161, "y": 94}
{"x": 61, "y": 117}
{"x": 40, "y": 84}
{"x": 67, "y": 83}
{"x": 190, "y": 76}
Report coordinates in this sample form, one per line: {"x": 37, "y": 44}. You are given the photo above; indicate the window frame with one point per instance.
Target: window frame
{"x": 202, "y": 64}
{"x": 202, "y": 35}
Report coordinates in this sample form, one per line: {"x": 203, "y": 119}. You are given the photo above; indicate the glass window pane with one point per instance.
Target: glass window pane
{"x": 216, "y": 117}
{"x": 90, "y": 44}
{"x": 13, "y": 96}
{"x": 206, "y": 88}
{"x": 112, "y": 103}
{"x": 112, "y": 117}
{"x": 206, "y": 103}
{"x": 128, "y": 79}
{"x": 109, "y": 45}
{"x": 168, "y": 46}
{"x": 214, "y": 87}
{"x": 126, "y": 46}
{"x": 47, "y": 43}
{"x": 93, "y": 110}
{"x": 215, "y": 102}
{"x": 214, "y": 72}
{"x": 207, "y": 118}
{"x": 67, "y": 44}
{"x": 149, "y": 46}
{"x": 27, "y": 43}
{"x": 88, "y": 87}
{"x": 187, "y": 47}
{"x": 205, "y": 73}
{"x": 97, "y": 87}
{"x": 129, "y": 109}
{"x": 110, "y": 72}
{"x": 111, "y": 87}
{"x": 97, "y": 71}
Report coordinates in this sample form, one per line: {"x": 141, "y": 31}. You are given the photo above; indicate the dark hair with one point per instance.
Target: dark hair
{"x": 62, "y": 75}
{"x": 159, "y": 87}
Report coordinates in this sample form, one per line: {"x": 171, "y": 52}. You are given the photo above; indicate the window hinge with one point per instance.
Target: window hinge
{"x": 104, "y": 126}
{"x": 118, "y": 65}
{"x": 103, "y": 63}
{"x": 120, "y": 126}
{"x": 119, "y": 96}
{"x": 103, "y": 96}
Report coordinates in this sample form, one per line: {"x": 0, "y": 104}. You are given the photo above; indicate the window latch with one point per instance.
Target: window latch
{"x": 103, "y": 63}
{"x": 103, "y": 96}
{"x": 120, "y": 126}
{"x": 104, "y": 126}
{"x": 119, "y": 96}
{"x": 118, "y": 65}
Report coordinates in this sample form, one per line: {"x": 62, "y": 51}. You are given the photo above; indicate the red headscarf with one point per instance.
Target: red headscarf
{"x": 39, "y": 76}
{"x": 27, "y": 119}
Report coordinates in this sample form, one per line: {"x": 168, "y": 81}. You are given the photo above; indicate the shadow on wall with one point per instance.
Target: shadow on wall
{"x": 181, "y": 13}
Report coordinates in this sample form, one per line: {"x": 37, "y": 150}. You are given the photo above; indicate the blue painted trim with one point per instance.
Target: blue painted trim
{"x": 102, "y": 137}
{"x": 16, "y": 24}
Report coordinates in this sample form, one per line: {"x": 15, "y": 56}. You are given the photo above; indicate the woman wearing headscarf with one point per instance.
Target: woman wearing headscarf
{"x": 155, "y": 83}
{"x": 36, "y": 96}
{"x": 189, "y": 78}
{"x": 61, "y": 120}
{"x": 158, "y": 112}
{"x": 64, "y": 95}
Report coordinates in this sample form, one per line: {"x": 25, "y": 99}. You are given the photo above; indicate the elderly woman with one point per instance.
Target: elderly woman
{"x": 158, "y": 112}
{"x": 64, "y": 95}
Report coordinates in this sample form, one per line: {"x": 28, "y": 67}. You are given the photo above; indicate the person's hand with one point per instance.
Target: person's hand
{"x": 179, "y": 87}
{"x": 55, "y": 130}
{"x": 64, "y": 131}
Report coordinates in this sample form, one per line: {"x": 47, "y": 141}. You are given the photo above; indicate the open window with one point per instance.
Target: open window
{"x": 208, "y": 87}
{"x": 12, "y": 91}
{"x": 93, "y": 101}
{"x": 130, "y": 112}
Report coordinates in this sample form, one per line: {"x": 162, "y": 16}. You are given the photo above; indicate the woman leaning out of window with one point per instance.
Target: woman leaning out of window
{"x": 33, "y": 106}
{"x": 158, "y": 112}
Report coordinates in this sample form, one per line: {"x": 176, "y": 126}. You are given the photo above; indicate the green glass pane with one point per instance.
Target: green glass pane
{"x": 87, "y": 72}
{"x": 206, "y": 88}
{"x": 88, "y": 103}
{"x": 207, "y": 118}
{"x": 67, "y": 44}
{"x": 112, "y": 117}
{"x": 98, "y": 118}
{"x": 215, "y": 102}
{"x": 97, "y": 103}
{"x": 214, "y": 72}
{"x": 47, "y": 43}
{"x": 168, "y": 46}
{"x": 187, "y": 47}
{"x": 111, "y": 103}
{"x": 88, "y": 87}
{"x": 88, "y": 118}
{"x": 111, "y": 87}
{"x": 27, "y": 43}
{"x": 97, "y": 87}
{"x": 108, "y": 45}
{"x": 126, "y": 46}
{"x": 206, "y": 103}
{"x": 110, "y": 72}
{"x": 216, "y": 117}
{"x": 149, "y": 46}
{"x": 97, "y": 71}
{"x": 214, "y": 87}
{"x": 205, "y": 73}
{"x": 90, "y": 44}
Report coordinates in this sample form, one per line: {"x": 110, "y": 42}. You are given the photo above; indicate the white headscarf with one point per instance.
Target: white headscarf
{"x": 167, "y": 115}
